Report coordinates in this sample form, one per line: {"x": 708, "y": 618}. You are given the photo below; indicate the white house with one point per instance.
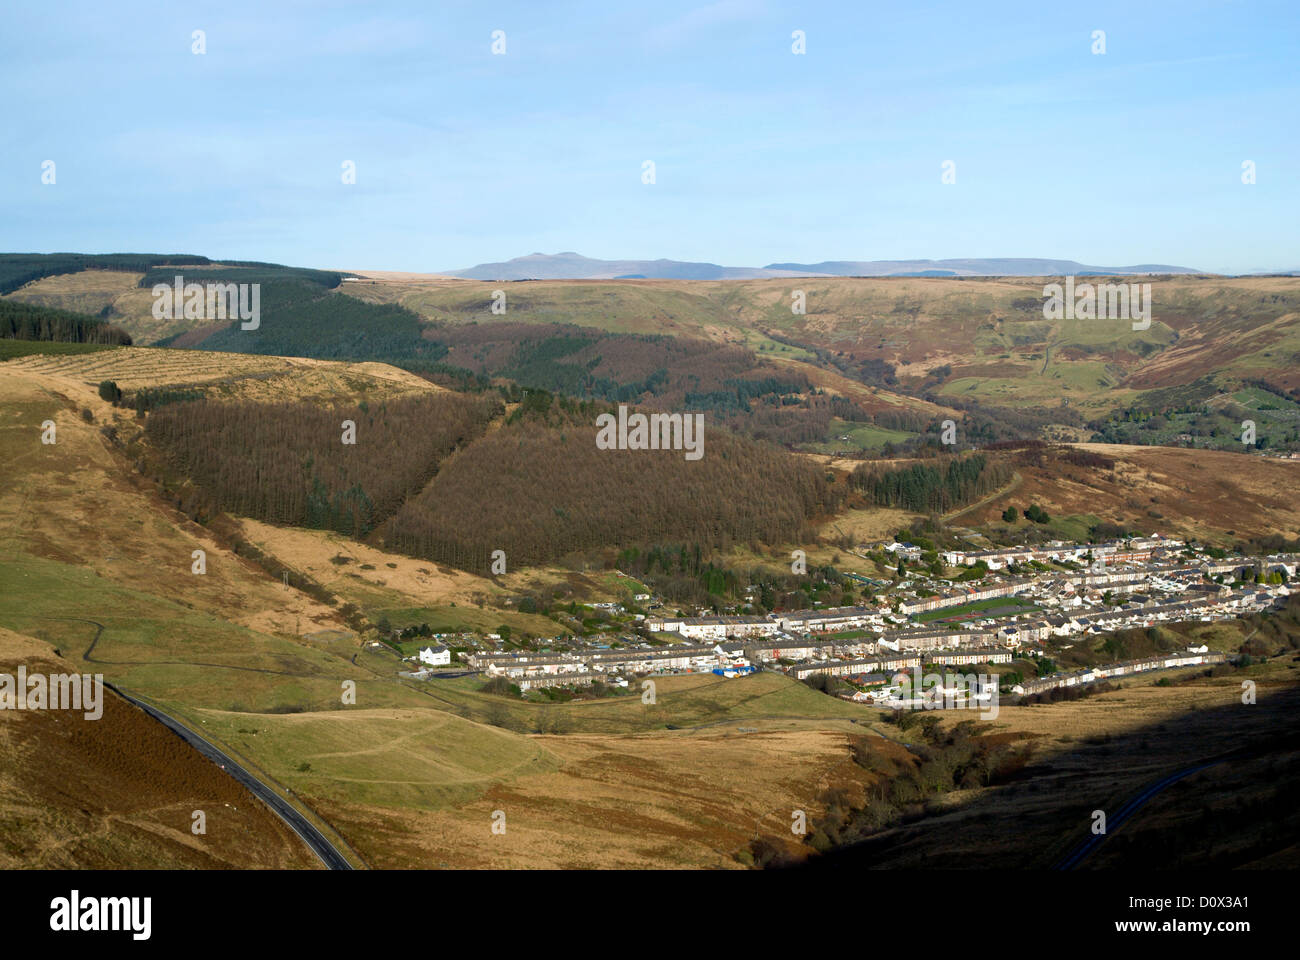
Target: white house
{"x": 908, "y": 551}
{"x": 438, "y": 656}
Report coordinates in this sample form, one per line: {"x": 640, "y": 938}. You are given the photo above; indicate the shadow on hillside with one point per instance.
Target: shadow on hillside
{"x": 1241, "y": 810}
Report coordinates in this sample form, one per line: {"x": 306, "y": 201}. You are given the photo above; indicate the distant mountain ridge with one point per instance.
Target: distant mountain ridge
{"x": 574, "y": 266}
{"x": 976, "y": 267}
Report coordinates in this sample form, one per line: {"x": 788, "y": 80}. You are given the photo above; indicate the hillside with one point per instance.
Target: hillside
{"x": 541, "y": 489}
{"x": 1200, "y": 494}
{"x": 411, "y": 775}
{"x": 138, "y": 786}
{"x": 892, "y": 356}
{"x": 978, "y": 350}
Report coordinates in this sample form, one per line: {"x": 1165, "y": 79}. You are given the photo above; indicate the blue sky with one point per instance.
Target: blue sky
{"x": 760, "y": 155}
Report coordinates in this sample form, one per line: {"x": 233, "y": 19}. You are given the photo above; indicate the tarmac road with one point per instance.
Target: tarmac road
{"x": 317, "y": 841}
{"x": 1083, "y": 850}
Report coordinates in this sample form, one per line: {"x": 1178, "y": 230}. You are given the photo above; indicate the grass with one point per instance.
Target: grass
{"x": 118, "y": 791}
{"x": 88, "y": 291}
{"x": 393, "y": 758}
{"x": 163, "y": 649}
{"x": 681, "y": 701}
{"x": 1012, "y": 605}
{"x": 861, "y": 436}
{"x": 464, "y": 618}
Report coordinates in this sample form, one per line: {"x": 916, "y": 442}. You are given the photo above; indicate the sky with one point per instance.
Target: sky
{"x": 760, "y": 154}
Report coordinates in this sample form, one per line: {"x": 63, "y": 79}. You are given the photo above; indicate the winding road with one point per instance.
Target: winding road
{"x": 1288, "y": 740}
{"x": 316, "y": 841}
{"x": 1085, "y": 849}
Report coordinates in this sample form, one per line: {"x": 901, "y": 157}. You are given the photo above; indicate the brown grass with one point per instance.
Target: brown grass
{"x": 656, "y": 801}
{"x": 120, "y": 791}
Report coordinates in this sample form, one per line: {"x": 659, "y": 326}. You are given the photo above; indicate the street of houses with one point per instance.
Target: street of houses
{"x": 1137, "y": 584}
{"x": 1124, "y": 668}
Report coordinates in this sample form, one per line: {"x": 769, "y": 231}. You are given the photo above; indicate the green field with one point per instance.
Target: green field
{"x": 424, "y": 758}
{"x": 463, "y": 618}
{"x": 165, "y": 650}
{"x": 861, "y": 436}
{"x": 681, "y": 701}
{"x": 1013, "y": 605}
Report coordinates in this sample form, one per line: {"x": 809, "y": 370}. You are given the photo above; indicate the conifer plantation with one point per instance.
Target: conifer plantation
{"x": 928, "y": 488}
{"x": 287, "y": 462}
{"x": 543, "y": 491}
{"x": 25, "y": 321}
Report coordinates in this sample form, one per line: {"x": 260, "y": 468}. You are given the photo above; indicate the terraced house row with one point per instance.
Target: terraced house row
{"x": 957, "y": 598}
{"x": 1188, "y": 658}
{"x": 1234, "y": 603}
{"x": 641, "y": 660}
{"x": 1135, "y": 550}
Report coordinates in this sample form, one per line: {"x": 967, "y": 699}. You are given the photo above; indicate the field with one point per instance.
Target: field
{"x": 846, "y": 436}
{"x": 995, "y": 607}
{"x": 223, "y": 375}
{"x": 90, "y": 291}
{"x": 666, "y": 802}
{"x": 9, "y": 349}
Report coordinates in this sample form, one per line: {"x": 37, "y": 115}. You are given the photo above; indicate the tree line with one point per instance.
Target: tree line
{"x": 926, "y": 488}
{"x": 27, "y": 321}
{"x": 20, "y": 269}
{"x": 288, "y": 462}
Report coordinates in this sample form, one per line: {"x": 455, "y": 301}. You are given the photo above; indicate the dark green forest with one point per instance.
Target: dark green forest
{"x": 25, "y": 321}
{"x": 19, "y": 269}
{"x": 931, "y": 488}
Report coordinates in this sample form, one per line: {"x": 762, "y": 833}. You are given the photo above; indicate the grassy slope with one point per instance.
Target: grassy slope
{"x": 136, "y": 788}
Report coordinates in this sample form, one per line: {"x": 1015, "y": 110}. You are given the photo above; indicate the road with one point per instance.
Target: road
{"x": 317, "y": 841}
{"x": 1083, "y": 850}
{"x": 1278, "y": 742}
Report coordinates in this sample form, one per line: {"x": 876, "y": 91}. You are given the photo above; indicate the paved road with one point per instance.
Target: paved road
{"x": 1083, "y": 850}
{"x": 317, "y": 841}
